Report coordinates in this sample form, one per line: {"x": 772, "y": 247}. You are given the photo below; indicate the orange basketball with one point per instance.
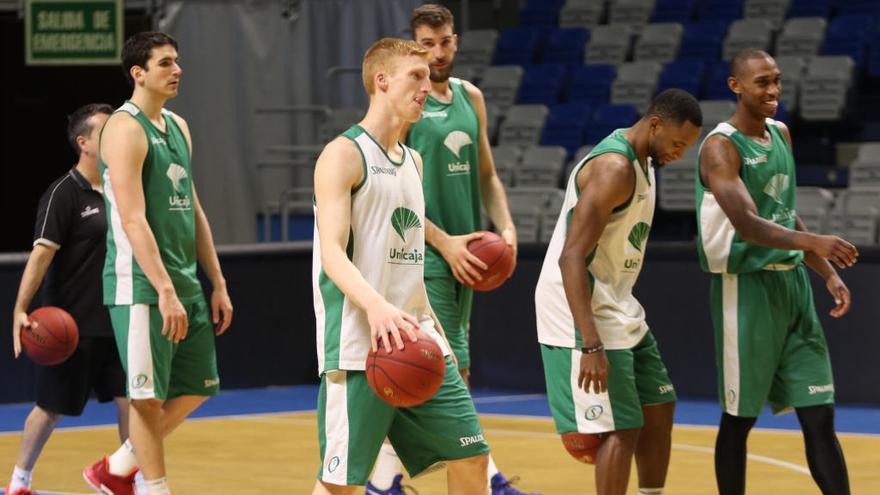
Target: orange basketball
{"x": 582, "y": 446}
{"x": 495, "y": 253}
{"x": 53, "y": 338}
{"x": 409, "y": 377}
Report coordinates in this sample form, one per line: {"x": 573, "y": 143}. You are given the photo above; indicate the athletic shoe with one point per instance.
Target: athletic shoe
{"x": 500, "y": 486}
{"x": 396, "y": 488}
{"x": 98, "y": 476}
{"x": 20, "y": 491}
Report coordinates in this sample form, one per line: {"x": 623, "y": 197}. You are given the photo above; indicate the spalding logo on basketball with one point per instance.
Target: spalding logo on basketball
{"x": 53, "y": 336}
{"x": 582, "y": 446}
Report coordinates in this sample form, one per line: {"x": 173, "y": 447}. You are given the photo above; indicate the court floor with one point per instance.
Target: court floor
{"x": 265, "y": 441}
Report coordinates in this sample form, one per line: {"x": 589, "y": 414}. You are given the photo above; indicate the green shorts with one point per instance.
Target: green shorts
{"x": 451, "y": 301}
{"x": 637, "y": 377}
{"x": 157, "y": 368}
{"x": 769, "y": 344}
{"x": 353, "y": 421}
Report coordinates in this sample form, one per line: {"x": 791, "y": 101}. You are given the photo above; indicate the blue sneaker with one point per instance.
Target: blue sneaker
{"x": 396, "y": 488}
{"x": 501, "y": 486}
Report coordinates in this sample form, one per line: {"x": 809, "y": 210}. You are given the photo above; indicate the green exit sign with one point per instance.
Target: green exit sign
{"x": 73, "y": 32}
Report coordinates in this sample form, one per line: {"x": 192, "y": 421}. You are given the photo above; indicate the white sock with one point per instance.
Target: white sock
{"x": 122, "y": 462}
{"x": 651, "y": 491}
{"x": 387, "y": 467}
{"x": 20, "y": 479}
{"x": 493, "y": 469}
{"x": 157, "y": 487}
{"x": 140, "y": 485}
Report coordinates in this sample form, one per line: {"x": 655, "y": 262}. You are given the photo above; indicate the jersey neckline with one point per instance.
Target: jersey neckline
{"x": 402, "y": 148}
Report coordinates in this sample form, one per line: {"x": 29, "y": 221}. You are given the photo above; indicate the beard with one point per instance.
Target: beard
{"x": 655, "y": 161}
{"x": 442, "y": 75}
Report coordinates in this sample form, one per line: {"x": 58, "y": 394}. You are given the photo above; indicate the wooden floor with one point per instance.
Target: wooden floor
{"x": 278, "y": 454}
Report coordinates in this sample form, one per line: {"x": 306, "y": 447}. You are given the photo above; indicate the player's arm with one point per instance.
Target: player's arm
{"x": 34, "y": 271}
{"x": 206, "y": 253}
{"x": 606, "y": 183}
{"x": 719, "y": 170}
{"x": 839, "y": 291}
{"x": 491, "y": 188}
{"x": 123, "y": 149}
{"x": 338, "y": 170}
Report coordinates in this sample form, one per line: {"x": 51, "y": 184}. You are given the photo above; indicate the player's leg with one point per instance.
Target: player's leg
{"x": 446, "y": 430}
{"x": 614, "y": 460}
{"x": 38, "y": 428}
{"x": 748, "y": 315}
{"x": 107, "y": 379}
{"x": 352, "y": 422}
{"x": 658, "y": 398}
{"x": 805, "y": 382}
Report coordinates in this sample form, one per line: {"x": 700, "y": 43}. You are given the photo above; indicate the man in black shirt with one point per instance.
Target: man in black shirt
{"x": 70, "y": 235}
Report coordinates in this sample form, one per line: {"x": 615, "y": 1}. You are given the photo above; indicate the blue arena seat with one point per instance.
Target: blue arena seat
{"x": 850, "y": 35}
{"x": 702, "y": 40}
{"x": 541, "y": 13}
{"x": 716, "y": 82}
{"x": 566, "y": 46}
{"x": 566, "y": 126}
{"x": 518, "y": 46}
{"x": 809, "y": 8}
{"x": 541, "y": 84}
{"x": 683, "y": 74}
{"x": 674, "y": 11}
{"x": 722, "y": 10}
{"x": 609, "y": 117}
{"x": 591, "y": 83}
{"x": 858, "y": 7}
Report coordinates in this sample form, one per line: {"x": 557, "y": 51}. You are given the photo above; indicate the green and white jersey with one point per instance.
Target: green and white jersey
{"x": 613, "y": 266}
{"x": 386, "y": 243}
{"x": 447, "y": 137}
{"x": 168, "y": 197}
{"x": 769, "y": 175}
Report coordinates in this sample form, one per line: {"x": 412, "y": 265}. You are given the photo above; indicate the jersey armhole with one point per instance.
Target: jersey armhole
{"x": 586, "y": 161}
{"x": 363, "y": 181}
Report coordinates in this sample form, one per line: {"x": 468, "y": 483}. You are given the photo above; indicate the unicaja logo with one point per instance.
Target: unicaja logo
{"x": 776, "y": 187}
{"x": 456, "y": 140}
{"x": 404, "y": 219}
{"x": 176, "y": 174}
{"x": 638, "y": 235}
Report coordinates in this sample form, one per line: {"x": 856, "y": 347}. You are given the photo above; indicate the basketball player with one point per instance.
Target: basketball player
{"x": 603, "y": 369}
{"x": 157, "y": 230}
{"x": 770, "y": 347}
{"x": 459, "y": 174}
{"x": 70, "y": 236}
{"x": 369, "y": 291}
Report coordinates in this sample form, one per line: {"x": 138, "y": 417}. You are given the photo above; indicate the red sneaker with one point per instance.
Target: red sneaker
{"x": 20, "y": 491}
{"x": 98, "y": 476}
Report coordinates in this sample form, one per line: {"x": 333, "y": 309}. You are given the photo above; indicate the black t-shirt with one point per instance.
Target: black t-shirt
{"x": 71, "y": 219}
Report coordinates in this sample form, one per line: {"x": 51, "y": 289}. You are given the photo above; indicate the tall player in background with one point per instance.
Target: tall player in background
{"x": 366, "y": 181}
{"x": 157, "y": 232}
{"x": 603, "y": 368}
{"x": 769, "y": 343}
{"x": 459, "y": 176}
{"x": 70, "y": 236}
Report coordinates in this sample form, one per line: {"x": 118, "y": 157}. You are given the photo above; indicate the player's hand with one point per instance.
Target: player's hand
{"x": 509, "y": 236}
{"x": 841, "y": 295}
{"x": 836, "y": 250}
{"x": 594, "y": 372}
{"x": 465, "y": 266}
{"x": 175, "y": 323}
{"x": 386, "y": 323}
{"x": 221, "y": 310}
{"x": 20, "y": 321}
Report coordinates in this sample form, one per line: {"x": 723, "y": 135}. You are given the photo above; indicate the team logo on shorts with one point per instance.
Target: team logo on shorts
{"x": 731, "y": 397}
{"x": 593, "y": 413}
{"x": 333, "y": 464}
{"x": 139, "y": 381}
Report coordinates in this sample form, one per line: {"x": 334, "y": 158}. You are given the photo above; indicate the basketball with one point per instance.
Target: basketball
{"x": 54, "y": 337}
{"x": 409, "y": 377}
{"x": 582, "y": 446}
{"x": 495, "y": 253}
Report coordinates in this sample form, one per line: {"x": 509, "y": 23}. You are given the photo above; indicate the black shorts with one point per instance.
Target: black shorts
{"x": 65, "y": 388}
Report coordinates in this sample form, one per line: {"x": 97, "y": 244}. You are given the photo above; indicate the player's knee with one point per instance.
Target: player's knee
{"x": 147, "y": 406}
{"x": 740, "y": 426}
{"x": 477, "y": 463}
{"x": 658, "y": 418}
{"x": 816, "y": 419}
{"x": 625, "y": 439}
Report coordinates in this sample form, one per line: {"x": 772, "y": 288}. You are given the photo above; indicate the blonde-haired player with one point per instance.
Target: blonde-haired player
{"x": 366, "y": 298}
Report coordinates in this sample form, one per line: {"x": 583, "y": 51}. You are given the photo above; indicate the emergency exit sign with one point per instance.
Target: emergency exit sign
{"x": 73, "y": 32}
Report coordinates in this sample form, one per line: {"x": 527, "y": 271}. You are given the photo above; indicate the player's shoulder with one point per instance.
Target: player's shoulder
{"x": 180, "y": 121}
{"x": 783, "y": 128}
{"x": 470, "y": 88}
{"x": 612, "y": 162}
{"x": 123, "y": 124}
{"x": 342, "y": 147}
{"x": 718, "y": 149}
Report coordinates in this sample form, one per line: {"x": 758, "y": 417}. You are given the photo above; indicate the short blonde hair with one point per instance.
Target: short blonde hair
{"x": 380, "y": 57}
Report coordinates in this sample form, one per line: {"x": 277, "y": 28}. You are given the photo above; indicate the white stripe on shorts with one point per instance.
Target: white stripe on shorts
{"x": 140, "y": 353}
{"x": 335, "y": 467}
{"x": 730, "y": 349}
{"x": 592, "y": 411}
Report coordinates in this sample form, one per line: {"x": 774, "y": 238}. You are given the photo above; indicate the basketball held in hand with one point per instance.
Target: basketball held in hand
{"x": 497, "y": 255}
{"x": 52, "y": 337}
{"x": 582, "y": 446}
{"x": 408, "y": 377}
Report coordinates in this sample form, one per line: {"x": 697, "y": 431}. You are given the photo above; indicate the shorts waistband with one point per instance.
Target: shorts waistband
{"x": 778, "y": 267}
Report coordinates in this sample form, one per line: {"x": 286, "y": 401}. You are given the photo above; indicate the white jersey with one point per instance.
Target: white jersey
{"x": 387, "y": 245}
{"x": 613, "y": 266}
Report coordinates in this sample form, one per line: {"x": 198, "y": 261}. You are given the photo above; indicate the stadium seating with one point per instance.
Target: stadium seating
{"x": 635, "y": 84}
{"x": 659, "y": 42}
{"x": 801, "y": 36}
{"x": 541, "y": 84}
{"x": 522, "y": 125}
{"x": 566, "y": 126}
{"x": 566, "y": 46}
{"x": 609, "y": 44}
{"x": 582, "y": 13}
